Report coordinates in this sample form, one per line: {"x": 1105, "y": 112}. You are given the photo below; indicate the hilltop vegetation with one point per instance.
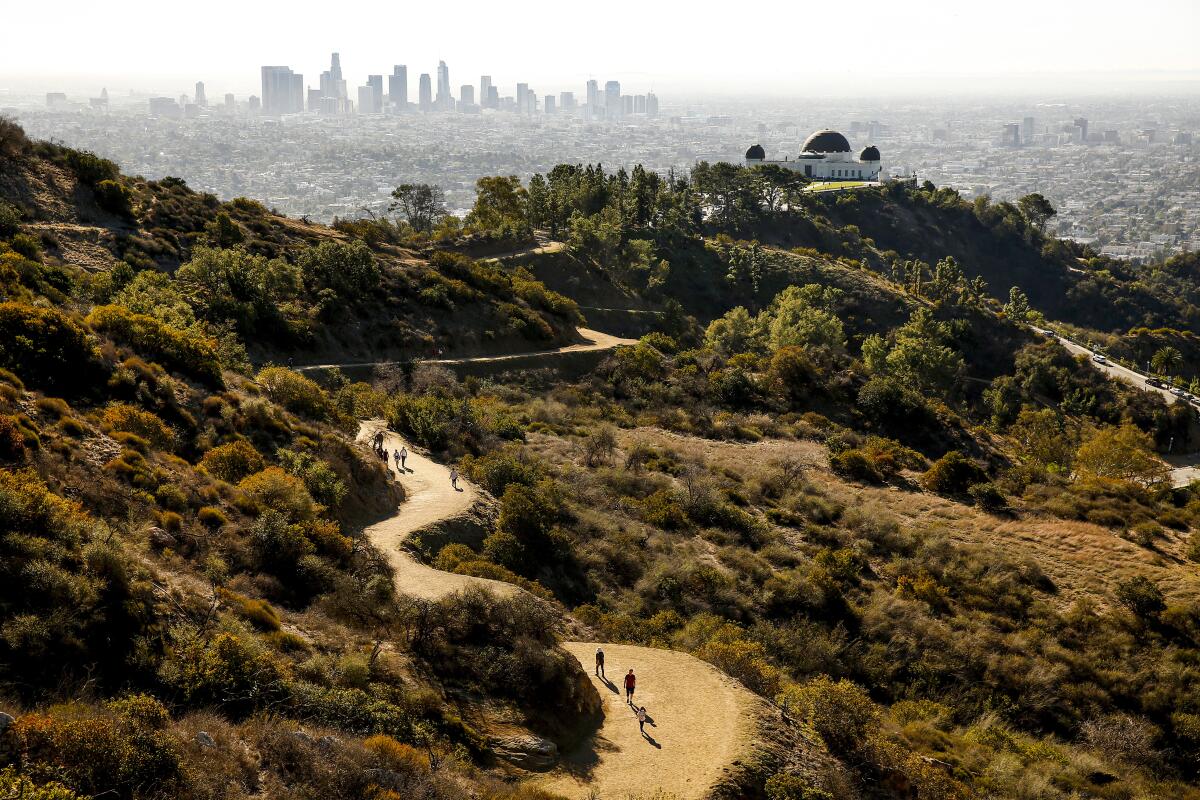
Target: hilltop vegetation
{"x": 838, "y": 468}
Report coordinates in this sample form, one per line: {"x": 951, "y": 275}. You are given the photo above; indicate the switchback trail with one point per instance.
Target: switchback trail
{"x": 701, "y": 721}
{"x": 595, "y": 340}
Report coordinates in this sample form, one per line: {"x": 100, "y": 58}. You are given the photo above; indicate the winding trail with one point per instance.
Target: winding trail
{"x": 700, "y": 721}
{"x": 593, "y": 340}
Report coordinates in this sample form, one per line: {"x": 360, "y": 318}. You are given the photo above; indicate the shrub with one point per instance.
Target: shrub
{"x": 114, "y": 196}
{"x": 347, "y": 268}
{"x": 840, "y": 711}
{"x": 212, "y": 517}
{"x": 663, "y": 509}
{"x": 233, "y": 461}
{"x": 274, "y": 489}
{"x": 15, "y": 785}
{"x": 1141, "y": 596}
{"x": 12, "y": 439}
{"x": 46, "y": 348}
{"x": 320, "y": 479}
{"x": 396, "y": 756}
{"x": 10, "y": 219}
{"x": 952, "y": 475}
{"x": 792, "y": 787}
{"x": 988, "y": 497}
{"x": 855, "y": 465}
{"x": 497, "y": 470}
{"x": 187, "y": 352}
{"x": 224, "y": 671}
{"x": 53, "y": 407}
{"x": 294, "y": 392}
{"x": 131, "y": 419}
{"x": 258, "y": 613}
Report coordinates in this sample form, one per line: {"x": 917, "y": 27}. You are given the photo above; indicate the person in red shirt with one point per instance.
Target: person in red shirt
{"x": 630, "y": 685}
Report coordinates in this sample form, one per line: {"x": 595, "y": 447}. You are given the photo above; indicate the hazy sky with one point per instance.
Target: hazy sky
{"x": 763, "y": 47}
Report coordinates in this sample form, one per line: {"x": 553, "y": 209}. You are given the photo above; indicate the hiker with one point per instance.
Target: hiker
{"x": 378, "y": 441}
{"x": 600, "y": 663}
{"x": 630, "y": 685}
{"x": 396, "y": 456}
{"x": 402, "y": 456}
{"x": 454, "y": 478}
{"x": 641, "y": 715}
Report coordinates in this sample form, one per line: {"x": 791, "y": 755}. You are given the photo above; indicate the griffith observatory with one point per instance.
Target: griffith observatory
{"x": 825, "y": 155}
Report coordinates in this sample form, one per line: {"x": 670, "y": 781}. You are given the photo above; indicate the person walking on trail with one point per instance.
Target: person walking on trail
{"x": 641, "y": 715}
{"x": 402, "y": 456}
{"x": 396, "y": 456}
{"x": 600, "y": 663}
{"x": 454, "y": 478}
{"x": 630, "y": 685}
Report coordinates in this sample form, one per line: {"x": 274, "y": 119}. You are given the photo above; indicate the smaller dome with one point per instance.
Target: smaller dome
{"x": 756, "y": 153}
{"x": 869, "y": 153}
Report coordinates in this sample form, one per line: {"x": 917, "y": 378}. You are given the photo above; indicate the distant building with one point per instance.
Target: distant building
{"x": 1081, "y": 124}
{"x": 165, "y": 107}
{"x": 522, "y": 97}
{"x": 254, "y": 104}
{"x": 230, "y": 102}
{"x": 485, "y": 91}
{"x": 612, "y": 100}
{"x": 366, "y": 100}
{"x": 651, "y": 105}
{"x": 548, "y": 104}
{"x": 1011, "y": 136}
{"x": 282, "y": 91}
{"x": 425, "y": 93}
{"x": 55, "y": 99}
{"x": 594, "y": 109}
{"x": 566, "y": 101}
{"x": 466, "y": 95}
{"x": 99, "y": 103}
{"x": 444, "y": 100}
{"x": 398, "y": 87}
{"x": 376, "y": 84}
{"x": 333, "y": 86}
{"x": 201, "y": 98}
{"x": 1027, "y": 130}
{"x": 826, "y": 155}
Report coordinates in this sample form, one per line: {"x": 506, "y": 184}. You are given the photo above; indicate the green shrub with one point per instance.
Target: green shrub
{"x": 10, "y": 219}
{"x": 318, "y": 476}
{"x": 233, "y": 461}
{"x": 114, "y": 196}
{"x": 792, "y": 787}
{"x": 15, "y": 785}
{"x": 274, "y": 489}
{"x": 855, "y": 465}
{"x": 53, "y": 407}
{"x": 952, "y": 475}
{"x": 224, "y": 671}
{"x": 496, "y": 470}
{"x": 988, "y": 497}
{"x": 1141, "y": 596}
{"x": 258, "y": 613}
{"x": 187, "y": 352}
{"x": 663, "y": 509}
{"x": 840, "y": 711}
{"x": 348, "y": 268}
{"x": 46, "y": 349}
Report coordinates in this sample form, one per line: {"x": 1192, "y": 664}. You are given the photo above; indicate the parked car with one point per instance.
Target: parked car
{"x": 1099, "y": 359}
{"x": 1152, "y": 381}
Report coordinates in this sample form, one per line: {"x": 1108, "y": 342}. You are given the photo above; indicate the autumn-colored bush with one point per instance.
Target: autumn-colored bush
{"x": 224, "y": 671}
{"x": 952, "y": 475}
{"x": 131, "y": 419}
{"x": 294, "y": 392}
{"x": 258, "y": 613}
{"x": 212, "y": 517}
{"x": 233, "y": 461}
{"x": 272, "y": 488}
{"x": 841, "y": 711}
{"x": 185, "y": 351}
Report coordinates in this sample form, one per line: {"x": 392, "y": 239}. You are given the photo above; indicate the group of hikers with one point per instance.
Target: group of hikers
{"x": 630, "y": 687}
{"x": 401, "y": 457}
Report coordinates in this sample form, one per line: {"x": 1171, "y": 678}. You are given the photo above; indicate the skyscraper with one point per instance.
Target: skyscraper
{"x": 425, "y": 93}
{"x": 282, "y": 91}
{"x": 1082, "y": 124}
{"x": 445, "y": 100}
{"x": 398, "y": 87}
{"x": 566, "y": 101}
{"x": 593, "y": 99}
{"x": 1027, "y": 130}
{"x": 485, "y": 90}
{"x": 548, "y": 104}
{"x": 522, "y": 92}
{"x": 376, "y": 84}
{"x": 333, "y": 86}
{"x": 201, "y": 100}
{"x": 612, "y": 100}
{"x": 651, "y": 104}
{"x": 230, "y": 102}
{"x": 466, "y": 95}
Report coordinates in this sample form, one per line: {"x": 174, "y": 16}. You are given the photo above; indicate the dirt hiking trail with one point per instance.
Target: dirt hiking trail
{"x": 700, "y": 722}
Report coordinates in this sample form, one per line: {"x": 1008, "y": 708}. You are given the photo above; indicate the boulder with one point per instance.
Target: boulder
{"x": 160, "y": 539}
{"x": 6, "y": 720}
{"x": 205, "y": 740}
{"x": 527, "y": 751}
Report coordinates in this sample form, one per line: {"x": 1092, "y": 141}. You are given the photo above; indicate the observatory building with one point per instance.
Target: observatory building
{"x": 826, "y": 156}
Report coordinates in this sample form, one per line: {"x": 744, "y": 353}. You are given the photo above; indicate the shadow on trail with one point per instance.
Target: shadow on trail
{"x": 651, "y": 740}
{"x": 612, "y": 687}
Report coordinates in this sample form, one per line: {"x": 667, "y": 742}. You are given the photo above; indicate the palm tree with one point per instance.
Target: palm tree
{"x": 1166, "y": 361}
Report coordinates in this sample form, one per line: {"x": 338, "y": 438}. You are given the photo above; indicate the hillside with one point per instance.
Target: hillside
{"x": 862, "y": 530}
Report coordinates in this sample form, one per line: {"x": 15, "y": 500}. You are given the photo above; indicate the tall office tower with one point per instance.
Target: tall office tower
{"x": 425, "y": 93}
{"x": 445, "y": 100}
{"x": 230, "y": 102}
{"x": 282, "y": 91}
{"x": 593, "y": 99}
{"x": 466, "y": 95}
{"x": 639, "y": 104}
{"x": 566, "y": 101}
{"x": 548, "y": 104}
{"x": 651, "y": 104}
{"x": 366, "y": 99}
{"x": 531, "y": 102}
{"x": 627, "y": 105}
{"x": 493, "y": 98}
{"x": 1027, "y": 130}
{"x": 335, "y": 66}
{"x": 398, "y": 87}
{"x": 522, "y": 91}
{"x": 201, "y": 99}
{"x": 1011, "y": 136}
{"x": 1081, "y": 123}
{"x": 254, "y": 104}
{"x": 376, "y": 84}
{"x": 314, "y": 99}
{"x": 333, "y": 85}
{"x": 485, "y": 90}
{"x": 612, "y": 99}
